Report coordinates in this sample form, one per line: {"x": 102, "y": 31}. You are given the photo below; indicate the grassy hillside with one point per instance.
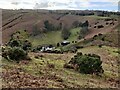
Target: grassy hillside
{"x": 46, "y": 69}
{"x": 40, "y": 73}
{"x": 53, "y": 37}
{"x": 74, "y": 34}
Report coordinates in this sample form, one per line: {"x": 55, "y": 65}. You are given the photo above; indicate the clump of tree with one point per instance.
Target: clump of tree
{"x": 84, "y": 29}
{"x": 48, "y": 26}
{"x": 65, "y": 33}
{"x": 87, "y": 64}
{"x": 35, "y": 30}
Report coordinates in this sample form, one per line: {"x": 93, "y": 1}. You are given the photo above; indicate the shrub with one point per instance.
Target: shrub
{"x": 87, "y": 64}
{"x": 14, "y": 43}
{"x": 95, "y": 36}
{"x": 94, "y": 26}
{"x": 103, "y": 39}
{"x": 26, "y": 45}
{"x": 79, "y": 47}
{"x": 100, "y": 26}
{"x": 100, "y": 46}
{"x": 79, "y": 54}
{"x": 15, "y": 53}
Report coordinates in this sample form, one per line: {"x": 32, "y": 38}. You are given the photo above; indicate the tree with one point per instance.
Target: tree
{"x": 49, "y": 26}
{"x": 84, "y": 29}
{"x": 65, "y": 34}
{"x": 35, "y": 30}
{"x": 85, "y": 24}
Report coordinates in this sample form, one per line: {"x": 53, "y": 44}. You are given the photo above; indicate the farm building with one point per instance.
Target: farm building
{"x": 65, "y": 43}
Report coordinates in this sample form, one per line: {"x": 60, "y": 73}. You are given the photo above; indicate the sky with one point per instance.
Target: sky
{"x": 110, "y": 5}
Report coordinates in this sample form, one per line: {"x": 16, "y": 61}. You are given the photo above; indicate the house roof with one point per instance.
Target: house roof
{"x": 65, "y": 41}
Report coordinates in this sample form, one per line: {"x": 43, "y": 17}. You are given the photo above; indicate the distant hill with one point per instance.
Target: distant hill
{"x": 14, "y": 20}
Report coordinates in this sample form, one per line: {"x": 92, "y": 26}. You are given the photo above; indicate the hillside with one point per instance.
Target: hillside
{"x": 14, "y": 20}
{"x": 35, "y": 55}
{"x": 38, "y": 73}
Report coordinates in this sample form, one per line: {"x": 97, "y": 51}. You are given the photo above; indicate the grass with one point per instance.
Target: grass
{"x": 70, "y": 78}
{"x": 53, "y": 37}
{"x": 111, "y": 50}
{"x": 74, "y": 34}
{"x": 97, "y": 17}
{"x": 108, "y": 56}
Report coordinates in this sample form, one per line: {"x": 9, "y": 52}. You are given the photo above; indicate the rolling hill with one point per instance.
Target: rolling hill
{"x": 45, "y": 69}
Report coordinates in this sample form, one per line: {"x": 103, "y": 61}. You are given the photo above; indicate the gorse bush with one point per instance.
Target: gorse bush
{"x": 15, "y": 53}
{"x": 17, "y": 48}
{"x": 26, "y": 45}
{"x": 14, "y": 43}
{"x": 87, "y": 64}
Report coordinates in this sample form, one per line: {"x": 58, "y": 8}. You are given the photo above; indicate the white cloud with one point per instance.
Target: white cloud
{"x": 54, "y": 4}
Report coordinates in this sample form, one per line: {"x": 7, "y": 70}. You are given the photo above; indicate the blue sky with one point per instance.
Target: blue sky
{"x": 111, "y": 5}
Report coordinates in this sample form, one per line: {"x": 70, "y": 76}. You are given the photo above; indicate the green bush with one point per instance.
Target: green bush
{"x": 87, "y": 64}
{"x": 26, "y": 45}
{"x": 15, "y": 53}
{"x": 14, "y": 43}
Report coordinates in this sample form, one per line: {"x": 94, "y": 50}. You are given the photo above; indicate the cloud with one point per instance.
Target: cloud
{"x": 40, "y": 5}
{"x": 59, "y": 4}
{"x": 15, "y": 3}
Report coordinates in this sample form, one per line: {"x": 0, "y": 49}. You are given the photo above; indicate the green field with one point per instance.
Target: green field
{"x": 53, "y": 37}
